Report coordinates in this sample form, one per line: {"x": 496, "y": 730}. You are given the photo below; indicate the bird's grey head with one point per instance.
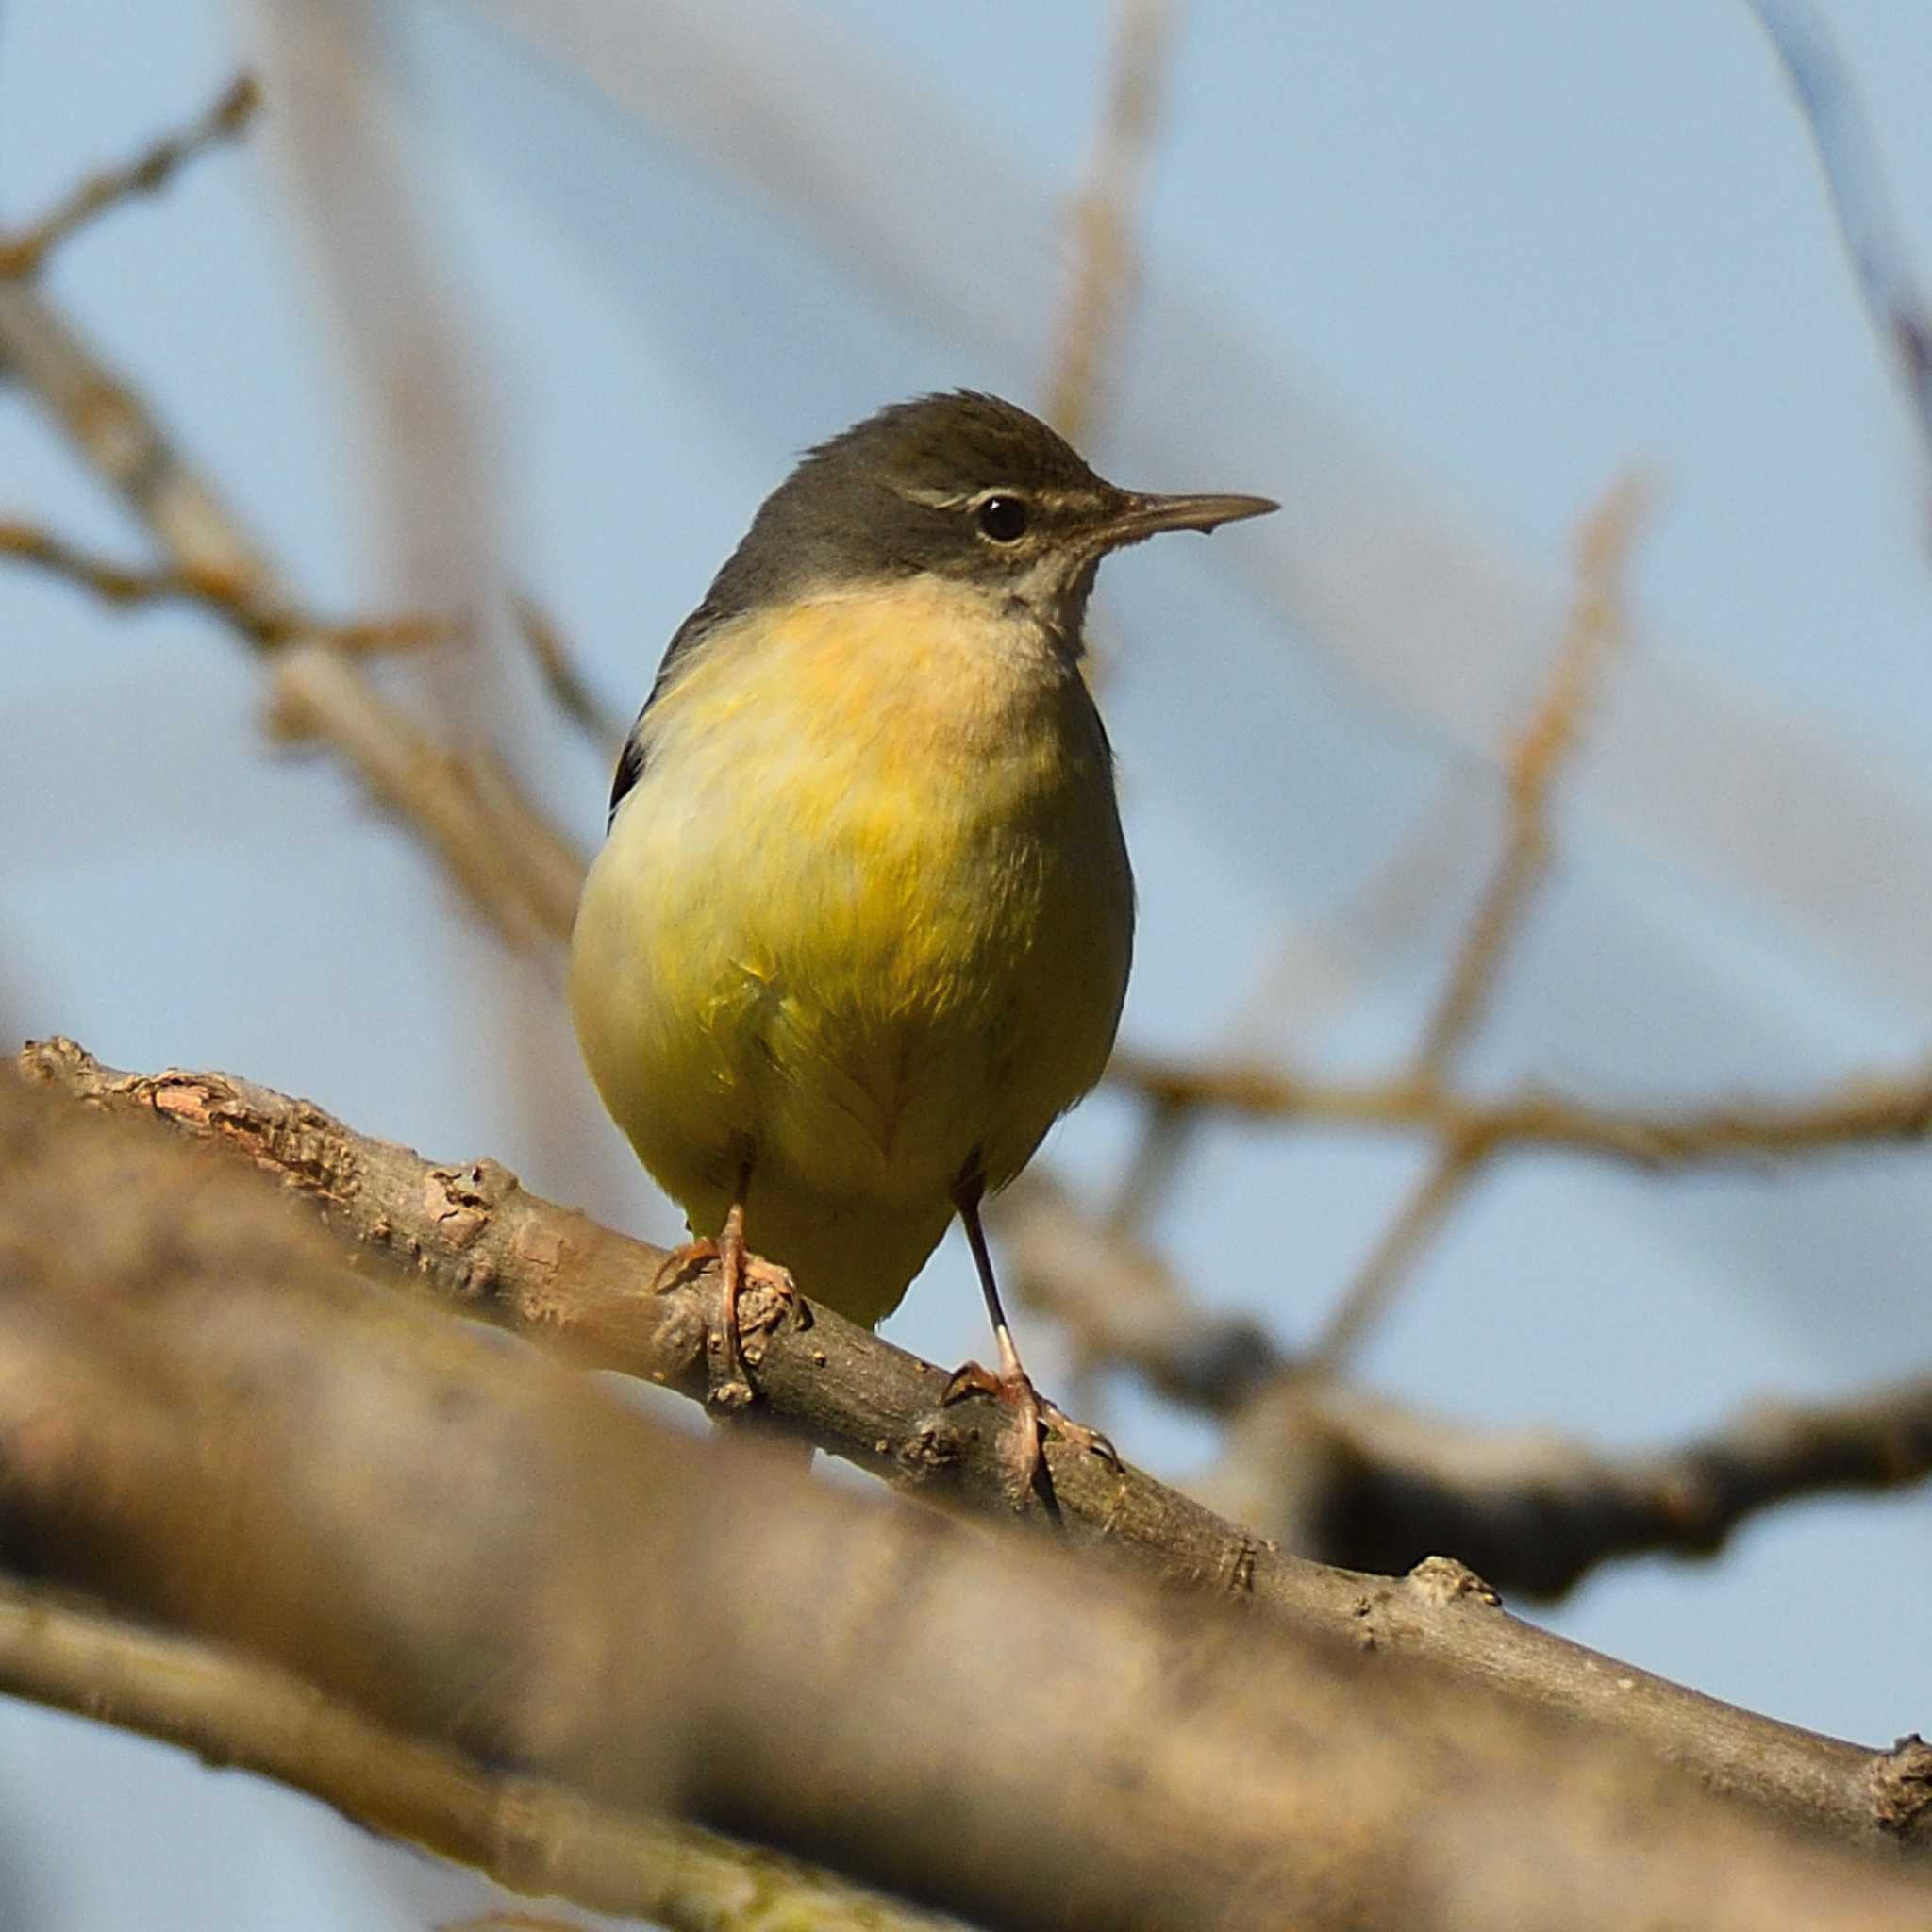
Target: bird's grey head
{"x": 964, "y": 485}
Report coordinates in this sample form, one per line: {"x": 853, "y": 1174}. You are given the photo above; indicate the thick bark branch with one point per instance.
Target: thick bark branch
{"x": 1339, "y": 1474}
{"x": 473, "y": 1236}
{"x": 206, "y": 1419}
{"x": 527, "y": 1836}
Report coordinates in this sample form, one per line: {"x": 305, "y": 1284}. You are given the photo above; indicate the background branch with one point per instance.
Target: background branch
{"x": 24, "y": 250}
{"x": 525, "y": 1834}
{"x": 518, "y": 870}
{"x": 1100, "y": 222}
{"x": 1534, "y": 762}
{"x": 1864, "y": 1110}
{"x": 1860, "y": 203}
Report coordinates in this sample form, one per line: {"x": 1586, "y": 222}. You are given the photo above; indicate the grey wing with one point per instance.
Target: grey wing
{"x": 631, "y": 760}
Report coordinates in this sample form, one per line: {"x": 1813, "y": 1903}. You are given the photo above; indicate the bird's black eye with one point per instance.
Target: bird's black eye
{"x": 1004, "y": 518}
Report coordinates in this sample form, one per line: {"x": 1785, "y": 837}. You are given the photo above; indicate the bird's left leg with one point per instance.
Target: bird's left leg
{"x": 1012, "y": 1385}
{"x": 738, "y": 1268}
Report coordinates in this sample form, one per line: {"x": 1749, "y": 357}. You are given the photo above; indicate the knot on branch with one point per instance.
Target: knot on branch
{"x": 1902, "y": 1790}
{"x": 1443, "y": 1580}
{"x": 462, "y": 1201}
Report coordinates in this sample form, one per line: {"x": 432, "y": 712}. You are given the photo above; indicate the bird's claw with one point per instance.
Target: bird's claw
{"x": 684, "y": 1263}
{"x": 776, "y": 1299}
{"x": 1019, "y": 1450}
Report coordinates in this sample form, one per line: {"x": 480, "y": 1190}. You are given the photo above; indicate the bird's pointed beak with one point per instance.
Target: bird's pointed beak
{"x": 1140, "y": 516}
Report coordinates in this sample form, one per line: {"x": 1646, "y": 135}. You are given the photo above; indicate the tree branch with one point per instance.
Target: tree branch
{"x": 1863, "y": 1110}
{"x": 23, "y": 251}
{"x": 518, "y": 869}
{"x": 122, "y": 583}
{"x": 473, "y": 1237}
{"x": 1103, "y": 249}
{"x": 202, "y": 1414}
{"x": 525, "y": 1834}
{"x": 1536, "y": 760}
{"x": 1867, "y": 225}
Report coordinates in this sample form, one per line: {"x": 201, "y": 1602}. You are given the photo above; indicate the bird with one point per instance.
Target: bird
{"x": 860, "y": 929}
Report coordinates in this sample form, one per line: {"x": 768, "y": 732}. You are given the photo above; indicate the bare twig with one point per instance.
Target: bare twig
{"x": 122, "y": 583}
{"x": 318, "y": 693}
{"x": 567, "y": 686}
{"x": 1451, "y": 1172}
{"x": 23, "y": 252}
{"x": 471, "y": 1237}
{"x": 1538, "y": 756}
{"x": 493, "y": 846}
{"x": 1102, "y": 272}
{"x": 1861, "y": 202}
{"x": 1864, "y": 1110}
{"x": 525, "y": 1834}
{"x": 519, "y": 870}
{"x": 203, "y": 1410}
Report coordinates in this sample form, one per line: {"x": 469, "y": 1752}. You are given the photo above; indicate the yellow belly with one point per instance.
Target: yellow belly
{"x": 865, "y": 918}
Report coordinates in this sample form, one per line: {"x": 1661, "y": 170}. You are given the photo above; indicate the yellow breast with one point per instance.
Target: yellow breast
{"x": 866, "y": 916}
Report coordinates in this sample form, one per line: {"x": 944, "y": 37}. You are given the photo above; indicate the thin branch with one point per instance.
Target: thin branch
{"x": 470, "y": 1237}
{"x": 124, "y": 584}
{"x": 1536, "y": 760}
{"x": 525, "y": 1834}
{"x": 203, "y": 1410}
{"x": 1864, "y": 1110}
{"x": 23, "y": 252}
{"x": 520, "y": 871}
{"x": 318, "y": 694}
{"x": 1451, "y": 1171}
{"x": 568, "y": 687}
{"x": 1102, "y": 216}
{"x": 1860, "y": 202}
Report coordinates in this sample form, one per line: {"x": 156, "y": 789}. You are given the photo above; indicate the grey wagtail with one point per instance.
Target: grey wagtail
{"x": 860, "y": 932}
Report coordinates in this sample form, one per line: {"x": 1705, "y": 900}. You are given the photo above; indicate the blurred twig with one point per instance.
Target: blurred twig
{"x": 1536, "y": 759}
{"x": 122, "y": 583}
{"x": 1870, "y": 1108}
{"x": 24, "y": 250}
{"x": 518, "y": 869}
{"x": 568, "y": 687}
{"x": 1101, "y": 278}
{"x": 1376, "y": 1485}
{"x": 526, "y": 1835}
{"x": 1452, "y": 1170}
{"x": 1860, "y": 201}
{"x": 1100, "y": 218}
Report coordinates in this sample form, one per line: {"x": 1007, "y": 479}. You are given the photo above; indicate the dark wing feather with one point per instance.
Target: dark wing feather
{"x": 631, "y": 760}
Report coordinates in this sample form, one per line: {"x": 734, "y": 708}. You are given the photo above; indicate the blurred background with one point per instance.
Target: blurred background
{"x": 506, "y": 295}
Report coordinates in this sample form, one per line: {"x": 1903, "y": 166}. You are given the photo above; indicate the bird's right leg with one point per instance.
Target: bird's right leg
{"x": 1020, "y": 1446}
{"x": 737, "y": 1267}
